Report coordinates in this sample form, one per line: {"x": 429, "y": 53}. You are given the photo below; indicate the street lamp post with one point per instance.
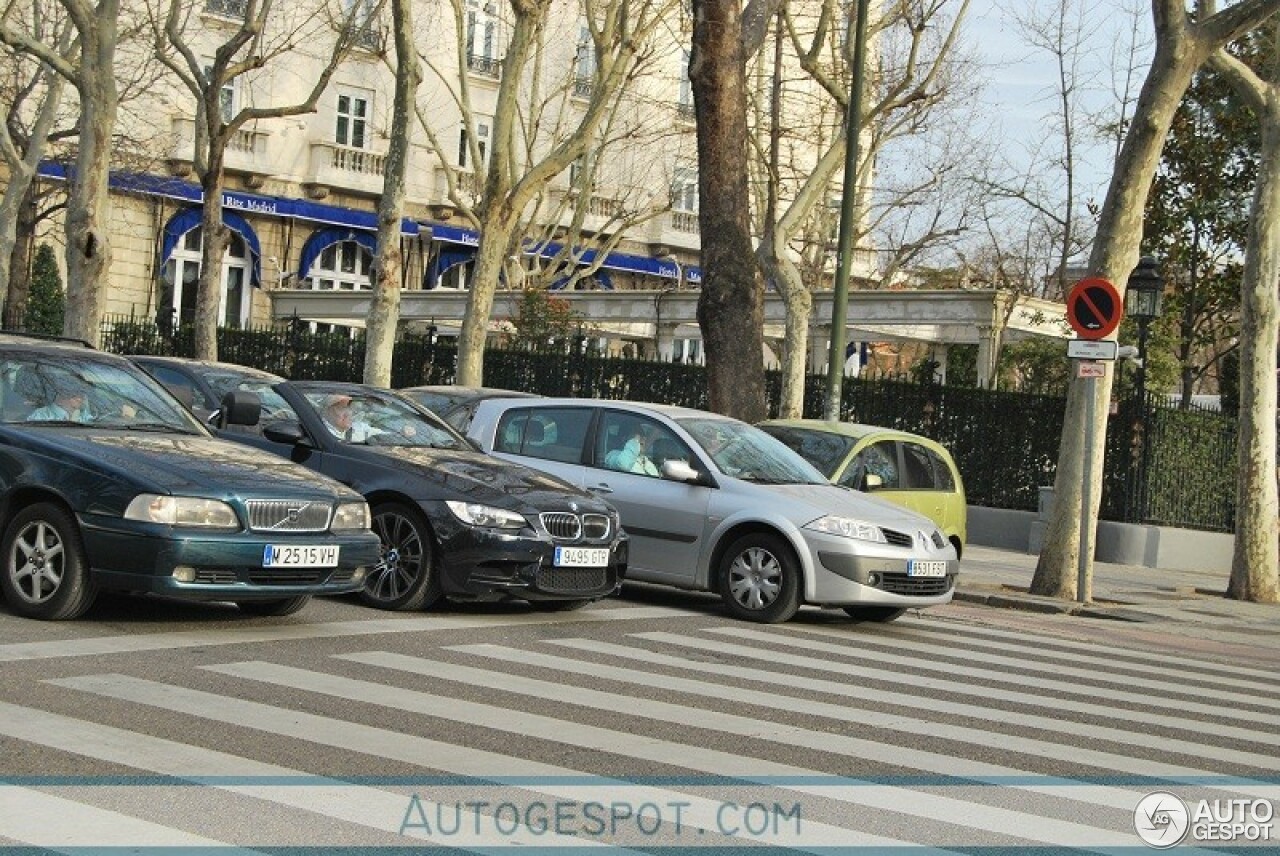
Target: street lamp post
{"x": 1142, "y": 302}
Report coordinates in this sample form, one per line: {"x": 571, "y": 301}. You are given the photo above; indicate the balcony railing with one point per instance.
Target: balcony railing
{"x": 227, "y": 8}
{"x": 583, "y": 87}
{"x": 484, "y": 65}
{"x": 346, "y": 168}
{"x": 246, "y": 150}
{"x": 685, "y": 221}
{"x": 367, "y": 37}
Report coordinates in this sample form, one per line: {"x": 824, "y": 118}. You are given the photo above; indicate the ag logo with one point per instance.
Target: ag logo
{"x": 1161, "y": 820}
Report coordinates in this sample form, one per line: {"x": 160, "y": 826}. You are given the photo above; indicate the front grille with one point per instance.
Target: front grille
{"x": 572, "y": 580}
{"x": 216, "y": 576}
{"x": 897, "y": 539}
{"x": 288, "y": 578}
{"x": 561, "y": 525}
{"x": 596, "y": 527}
{"x": 917, "y": 586}
{"x": 286, "y": 515}
{"x": 568, "y": 528}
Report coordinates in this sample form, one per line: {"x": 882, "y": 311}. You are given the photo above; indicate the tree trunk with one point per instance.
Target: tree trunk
{"x": 215, "y": 237}
{"x": 1255, "y": 562}
{"x": 89, "y": 203}
{"x": 795, "y": 342}
{"x": 494, "y": 241}
{"x": 1115, "y": 252}
{"x": 388, "y": 264}
{"x": 17, "y": 243}
{"x": 730, "y": 304}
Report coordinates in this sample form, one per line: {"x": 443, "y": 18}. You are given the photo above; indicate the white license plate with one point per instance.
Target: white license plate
{"x": 930, "y": 568}
{"x": 581, "y": 557}
{"x": 315, "y": 556}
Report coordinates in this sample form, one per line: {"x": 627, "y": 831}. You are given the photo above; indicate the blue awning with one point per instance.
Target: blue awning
{"x": 455, "y": 235}
{"x": 246, "y": 203}
{"x": 324, "y": 238}
{"x": 186, "y": 220}
{"x": 443, "y": 261}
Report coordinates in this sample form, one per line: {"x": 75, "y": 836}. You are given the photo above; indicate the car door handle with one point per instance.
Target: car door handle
{"x": 600, "y": 488}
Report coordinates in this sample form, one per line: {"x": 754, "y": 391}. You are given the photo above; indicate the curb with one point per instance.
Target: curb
{"x": 1048, "y": 605}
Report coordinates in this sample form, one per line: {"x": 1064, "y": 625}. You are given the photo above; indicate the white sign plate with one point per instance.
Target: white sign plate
{"x": 1092, "y": 349}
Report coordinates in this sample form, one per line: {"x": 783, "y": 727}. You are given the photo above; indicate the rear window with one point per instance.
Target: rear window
{"x": 821, "y": 448}
{"x": 550, "y": 433}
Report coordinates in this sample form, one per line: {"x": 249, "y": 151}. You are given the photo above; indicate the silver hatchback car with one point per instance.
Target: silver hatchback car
{"x": 715, "y": 504}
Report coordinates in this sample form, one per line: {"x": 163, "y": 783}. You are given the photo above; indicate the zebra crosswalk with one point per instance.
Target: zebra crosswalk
{"x": 625, "y": 729}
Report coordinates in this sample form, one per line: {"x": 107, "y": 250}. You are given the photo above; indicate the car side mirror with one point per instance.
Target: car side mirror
{"x": 287, "y": 431}
{"x": 873, "y": 481}
{"x": 473, "y": 443}
{"x": 678, "y": 470}
{"x": 239, "y": 407}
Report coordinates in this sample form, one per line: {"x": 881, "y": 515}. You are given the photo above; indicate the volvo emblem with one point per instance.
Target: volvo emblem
{"x": 291, "y": 515}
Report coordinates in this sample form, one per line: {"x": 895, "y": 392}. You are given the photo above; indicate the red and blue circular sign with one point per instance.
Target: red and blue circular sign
{"x": 1094, "y": 308}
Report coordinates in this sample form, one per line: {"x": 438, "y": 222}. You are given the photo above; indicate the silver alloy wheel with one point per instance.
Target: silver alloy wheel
{"x": 36, "y": 562}
{"x": 755, "y": 578}
{"x": 402, "y": 559}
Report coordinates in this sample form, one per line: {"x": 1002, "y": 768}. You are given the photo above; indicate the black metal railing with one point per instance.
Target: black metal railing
{"x": 484, "y": 65}
{"x": 1163, "y": 466}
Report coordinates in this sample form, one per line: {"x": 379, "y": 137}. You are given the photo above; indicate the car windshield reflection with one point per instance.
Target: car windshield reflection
{"x": 70, "y": 392}
{"x": 745, "y": 452}
{"x": 365, "y": 418}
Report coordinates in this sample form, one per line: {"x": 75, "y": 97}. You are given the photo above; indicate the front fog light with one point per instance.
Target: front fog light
{"x": 358, "y": 575}
{"x": 184, "y": 574}
{"x": 873, "y": 579}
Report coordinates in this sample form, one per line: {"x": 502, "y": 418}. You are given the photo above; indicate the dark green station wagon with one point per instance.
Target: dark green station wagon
{"x": 108, "y": 483}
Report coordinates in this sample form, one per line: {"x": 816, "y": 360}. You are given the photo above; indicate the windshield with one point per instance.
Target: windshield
{"x": 57, "y": 390}
{"x": 273, "y": 405}
{"x": 823, "y": 449}
{"x": 369, "y": 417}
{"x": 745, "y": 452}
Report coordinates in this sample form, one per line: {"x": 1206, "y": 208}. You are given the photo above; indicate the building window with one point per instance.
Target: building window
{"x": 684, "y": 189}
{"x": 181, "y": 277}
{"x": 227, "y": 8}
{"x": 482, "y": 39}
{"x": 353, "y": 118}
{"x": 584, "y": 64}
{"x": 341, "y": 266}
{"x": 482, "y": 144}
{"x": 684, "y": 106}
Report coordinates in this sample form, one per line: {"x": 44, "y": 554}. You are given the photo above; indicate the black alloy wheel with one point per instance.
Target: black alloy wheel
{"x": 405, "y": 577}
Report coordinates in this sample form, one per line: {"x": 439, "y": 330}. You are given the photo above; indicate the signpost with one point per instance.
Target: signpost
{"x": 1094, "y": 310}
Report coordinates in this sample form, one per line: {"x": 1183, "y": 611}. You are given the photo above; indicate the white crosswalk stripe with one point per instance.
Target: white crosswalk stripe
{"x": 907, "y": 738}
{"x": 1169, "y": 664}
{"x": 1005, "y": 670}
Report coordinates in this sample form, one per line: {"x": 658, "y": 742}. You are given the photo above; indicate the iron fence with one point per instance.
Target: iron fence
{"x": 1164, "y": 466}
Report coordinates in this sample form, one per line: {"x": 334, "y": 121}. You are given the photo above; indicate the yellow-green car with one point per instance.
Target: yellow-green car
{"x": 904, "y": 468}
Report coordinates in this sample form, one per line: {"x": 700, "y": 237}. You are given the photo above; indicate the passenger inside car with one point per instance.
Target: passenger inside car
{"x": 633, "y": 456}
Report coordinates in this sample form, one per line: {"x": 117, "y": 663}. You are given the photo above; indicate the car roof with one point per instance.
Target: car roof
{"x": 672, "y": 411}
{"x": 450, "y": 389}
{"x": 853, "y": 430}
{"x": 209, "y": 364}
{"x": 39, "y": 339}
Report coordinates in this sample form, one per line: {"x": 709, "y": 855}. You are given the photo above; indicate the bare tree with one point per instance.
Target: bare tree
{"x": 92, "y": 73}
{"x": 388, "y": 262}
{"x": 262, "y": 36}
{"x": 1183, "y": 44}
{"x": 1255, "y": 561}
{"x": 33, "y": 92}
{"x": 920, "y": 75}
{"x": 525, "y": 152}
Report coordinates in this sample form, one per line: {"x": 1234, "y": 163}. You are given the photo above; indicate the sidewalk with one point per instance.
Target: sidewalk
{"x": 1000, "y": 578}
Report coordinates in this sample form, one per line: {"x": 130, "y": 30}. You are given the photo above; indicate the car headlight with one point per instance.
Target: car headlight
{"x": 193, "y": 511}
{"x": 486, "y": 516}
{"x": 350, "y": 517}
{"x": 849, "y": 527}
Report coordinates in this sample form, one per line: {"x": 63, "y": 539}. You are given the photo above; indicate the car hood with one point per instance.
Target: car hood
{"x": 815, "y": 500}
{"x": 477, "y": 477}
{"x": 180, "y": 463}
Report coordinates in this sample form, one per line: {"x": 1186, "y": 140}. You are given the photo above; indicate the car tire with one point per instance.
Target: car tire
{"x": 46, "y": 574}
{"x": 406, "y": 576}
{"x": 281, "y": 606}
{"x": 880, "y": 614}
{"x": 760, "y": 579}
{"x": 559, "y": 605}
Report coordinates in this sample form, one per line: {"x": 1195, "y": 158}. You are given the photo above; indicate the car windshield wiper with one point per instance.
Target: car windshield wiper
{"x": 159, "y": 427}
{"x": 58, "y": 423}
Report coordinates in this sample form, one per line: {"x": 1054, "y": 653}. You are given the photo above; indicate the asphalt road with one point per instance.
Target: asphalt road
{"x": 647, "y": 721}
